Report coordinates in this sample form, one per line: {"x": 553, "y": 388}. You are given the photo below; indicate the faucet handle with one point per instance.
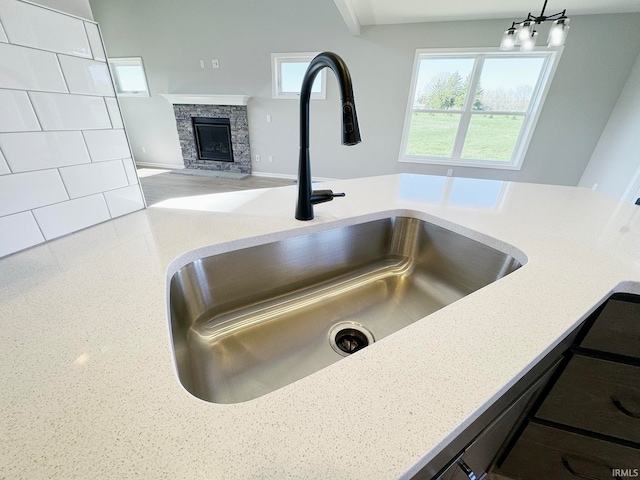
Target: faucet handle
{"x": 321, "y": 196}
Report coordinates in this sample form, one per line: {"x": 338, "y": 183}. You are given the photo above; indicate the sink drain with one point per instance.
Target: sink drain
{"x": 349, "y": 337}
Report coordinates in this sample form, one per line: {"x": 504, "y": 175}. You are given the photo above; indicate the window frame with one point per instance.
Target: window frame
{"x": 551, "y": 58}
{"x": 277, "y": 59}
{"x": 116, "y": 62}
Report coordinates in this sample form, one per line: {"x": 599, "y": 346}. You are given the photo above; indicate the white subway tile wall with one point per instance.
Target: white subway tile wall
{"x": 130, "y": 170}
{"x": 114, "y": 112}
{"x": 29, "y": 69}
{"x": 124, "y": 200}
{"x": 17, "y": 232}
{"x": 106, "y": 144}
{"x": 59, "y": 111}
{"x": 33, "y": 26}
{"x": 20, "y": 192}
{"x": 86, "y": 76}
{"x": 16, "y": 114}
{"x": 83, "y": 180}
{"x": 4, "y": 168}
{"x": 95, "y": 41}
{"x": 65, "y": 162}
{"x": 27, "y": 151}
{"x": 3, "y": 36}
{"x": 67, "y": 217}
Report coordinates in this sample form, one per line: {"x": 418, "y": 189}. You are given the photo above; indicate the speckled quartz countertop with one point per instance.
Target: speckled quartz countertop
{"x": 87, "y": 382}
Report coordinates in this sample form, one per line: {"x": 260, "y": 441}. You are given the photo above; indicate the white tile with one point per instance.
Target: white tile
{"x": 18, "y": 232}
{"x": 16, "y": 112}
{"x": 67, "y": 217}
{"x": 95, "y": 41}
{"x": 34, "y": 26}
{"x": 130, "y": 170}
{"x": 124, "y": 200}
{"x": 4, "y": 168}
{"x": 107, "y": 144}
{"x": 29, "y": 69}
{"x": 83, "y": 180}
{"x": 86, "y": 76}
{"x": 58, "y": 111}
{"x": 41, "y": 150}
{"x": 3, "y": 36}
{"x": 114, "y": 112}
{"x": 23, "y": 191}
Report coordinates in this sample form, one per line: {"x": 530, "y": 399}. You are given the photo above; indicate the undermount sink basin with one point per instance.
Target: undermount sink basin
{"x": 249, "y": 321}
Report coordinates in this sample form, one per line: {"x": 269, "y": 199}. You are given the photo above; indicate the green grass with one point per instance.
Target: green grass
{"x": 488, "y": 138}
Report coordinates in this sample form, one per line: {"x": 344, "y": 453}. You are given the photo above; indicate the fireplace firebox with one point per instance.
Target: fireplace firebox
{"x": 213, "y": 138}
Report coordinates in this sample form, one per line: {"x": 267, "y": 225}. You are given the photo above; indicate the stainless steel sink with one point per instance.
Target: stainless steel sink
{"x": 249, "y": 321}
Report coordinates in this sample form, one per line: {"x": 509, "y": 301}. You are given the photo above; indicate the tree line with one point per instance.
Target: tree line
{"x": 447, "y": 91}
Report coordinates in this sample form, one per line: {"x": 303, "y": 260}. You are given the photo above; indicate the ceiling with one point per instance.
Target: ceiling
{"x": 357, "y": 13}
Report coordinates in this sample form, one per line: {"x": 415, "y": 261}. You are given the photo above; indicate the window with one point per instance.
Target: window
{"x": 472, "y": 108}
{"x": 287, "y": 71}
{"x": 128, "y": 76}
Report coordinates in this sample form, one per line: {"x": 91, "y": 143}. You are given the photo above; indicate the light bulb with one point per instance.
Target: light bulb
{"x": 508, "y": 39}
{"x": 525, "y": 32}
{"x": 529, "y": 43}
{"x": 558, "y": 32}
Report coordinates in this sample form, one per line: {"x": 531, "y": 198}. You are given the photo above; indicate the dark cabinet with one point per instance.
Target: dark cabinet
{"x": 596, "y": 395}
{"x": 548, "y": 453}
{"x": 586, "y": 425}
{"x": 477, "y": 457}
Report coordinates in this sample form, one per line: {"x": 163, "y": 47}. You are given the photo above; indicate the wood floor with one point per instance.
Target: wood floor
{"x": 159, "y": 185}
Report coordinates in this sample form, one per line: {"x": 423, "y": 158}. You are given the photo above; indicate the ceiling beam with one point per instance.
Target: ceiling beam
{"x": 348, "y": 15}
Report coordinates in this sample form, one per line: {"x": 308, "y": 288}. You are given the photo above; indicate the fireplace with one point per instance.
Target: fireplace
{"x": 213, "y": 138}
{"x": 229, "y": 114}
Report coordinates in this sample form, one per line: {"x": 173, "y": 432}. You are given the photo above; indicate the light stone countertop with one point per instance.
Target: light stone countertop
{"x": 88, "y": 387}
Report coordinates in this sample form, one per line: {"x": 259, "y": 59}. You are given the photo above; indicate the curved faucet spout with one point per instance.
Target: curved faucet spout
{"x": 350, "y": 128}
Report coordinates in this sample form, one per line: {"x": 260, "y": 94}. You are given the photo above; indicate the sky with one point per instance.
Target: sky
{"x": 498, "y": 72}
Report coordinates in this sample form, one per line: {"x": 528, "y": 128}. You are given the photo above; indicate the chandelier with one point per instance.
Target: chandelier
{"x": 524, "y": 34}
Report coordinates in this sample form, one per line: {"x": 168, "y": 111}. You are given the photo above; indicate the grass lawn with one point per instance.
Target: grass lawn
{"x": 488, "y": 138}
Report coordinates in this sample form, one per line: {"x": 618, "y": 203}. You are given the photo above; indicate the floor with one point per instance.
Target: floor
{"x": 159, "y": 185}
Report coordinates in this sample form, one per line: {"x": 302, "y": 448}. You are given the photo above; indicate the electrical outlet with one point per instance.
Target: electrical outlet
{"x": 201, "y": 63}
{"x": 449, "y": 172}
{"x": 215, "y": 63}
{"x": 271, "y": 158}
{"x": 268, "y": 118}
{"x": 257, "y": 158}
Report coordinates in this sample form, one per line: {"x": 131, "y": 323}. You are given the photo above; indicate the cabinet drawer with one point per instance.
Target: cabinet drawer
{"x": 543, "y": 452}
{"x": 596, "y": 395}
{"x": 617, "y": 328}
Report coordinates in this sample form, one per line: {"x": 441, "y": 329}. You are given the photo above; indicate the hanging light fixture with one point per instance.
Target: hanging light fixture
{"x": 524, "y": 34}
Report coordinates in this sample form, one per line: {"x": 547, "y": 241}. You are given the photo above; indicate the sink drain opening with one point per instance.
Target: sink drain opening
{"x": 349, "y": 337}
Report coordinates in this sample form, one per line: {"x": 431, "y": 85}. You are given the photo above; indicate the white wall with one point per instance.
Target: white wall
{"x": 615, "y": 163}
{"x": 65, "y": 163}
{"x": 172, "y": 37}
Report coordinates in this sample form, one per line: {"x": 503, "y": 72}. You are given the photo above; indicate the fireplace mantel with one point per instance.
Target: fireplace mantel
{"x": 191, "y": 99}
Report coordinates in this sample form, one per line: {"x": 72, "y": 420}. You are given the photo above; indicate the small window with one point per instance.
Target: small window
{"x": 475, "y": 108}
{"x": 128, "y": 76}
{"x": 288, "y": 70}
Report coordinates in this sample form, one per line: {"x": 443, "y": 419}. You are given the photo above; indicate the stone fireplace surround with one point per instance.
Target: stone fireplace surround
{"x": 233, "y": 107}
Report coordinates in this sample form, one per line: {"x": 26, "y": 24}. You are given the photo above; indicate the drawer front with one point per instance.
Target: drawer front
{"x": 596, "y": 395}
{"x": 551, "y": 454}
{"x": 617, "y": 328}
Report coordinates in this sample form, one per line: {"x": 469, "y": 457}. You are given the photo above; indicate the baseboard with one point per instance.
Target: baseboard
{"x": 289, "y": 177}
